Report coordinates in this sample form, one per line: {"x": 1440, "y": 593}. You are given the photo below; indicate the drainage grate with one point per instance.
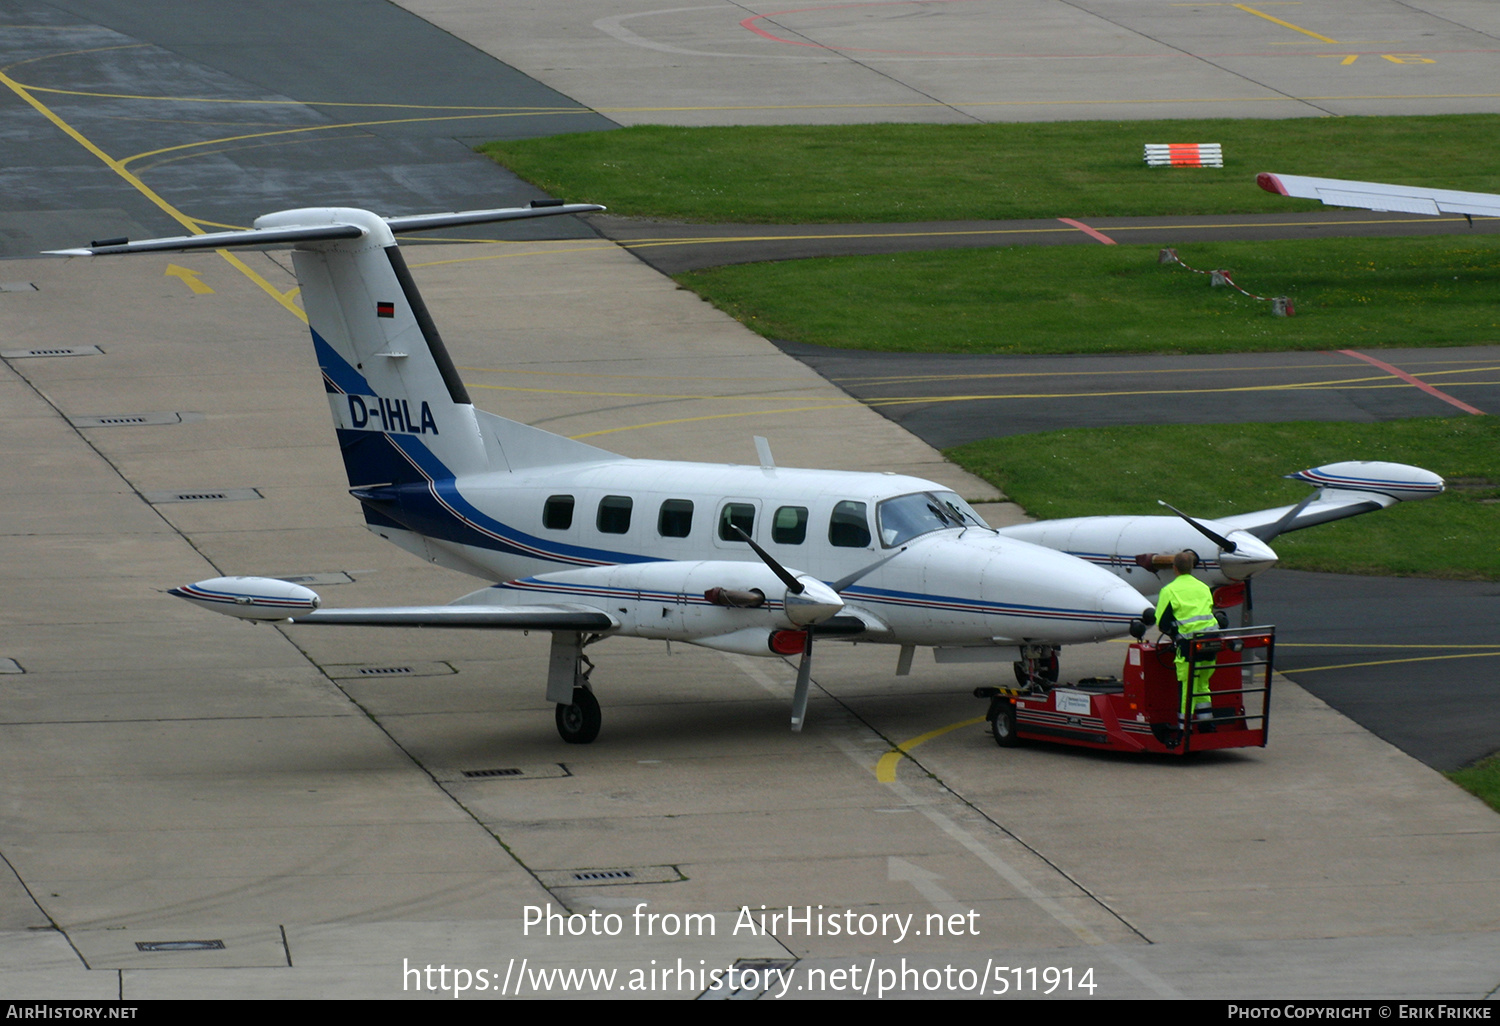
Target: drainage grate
{"x": 489, "y": 773}
{"x": 180, "y": 945}
{"x": 21, "y": 354}
{"x": 562, "y": 879}
{"x": 133, "y": 419}
{"x": 365, "y": 671}
{"x": 222, "y": 495}
{"x": 467, "y": 779}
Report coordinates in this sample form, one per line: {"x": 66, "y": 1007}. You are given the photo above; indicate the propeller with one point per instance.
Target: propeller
{"x": 1225, "y": 545}
{"x": 793, "y": 585}
{"x": 1265, "y": 534}
{"x": 844, "y": 582}
{"x": 1270, "y": 531}
{"x": 804, "y": 665}
{"x": 796, "y": 587}
{"x": 804, "y": 678}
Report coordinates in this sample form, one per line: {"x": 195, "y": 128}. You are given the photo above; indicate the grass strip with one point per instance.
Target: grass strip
{"x": 1481, "y": 780}
{"x": 793, "y": 174}
{"x": 1119, "y": 299}
{"x": 1237, "y": 468}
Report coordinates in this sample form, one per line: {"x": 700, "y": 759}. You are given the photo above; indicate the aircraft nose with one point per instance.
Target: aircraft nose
{"x": 1064, "y": 600}
{"x": 1121, "y": 603}
{"x": 1250, "y": 556}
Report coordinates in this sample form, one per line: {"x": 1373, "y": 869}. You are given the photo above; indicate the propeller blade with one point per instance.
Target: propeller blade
{"x": 804, "y": 678}
{"x": 793, "y": 585}
{"x": 844, "y": 582}
{"x": 1265, "y": 534}
{"x": 1218, "y": 539}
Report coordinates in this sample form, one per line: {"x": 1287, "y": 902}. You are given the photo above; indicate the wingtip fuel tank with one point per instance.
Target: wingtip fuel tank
{"x": 250, "y": 598}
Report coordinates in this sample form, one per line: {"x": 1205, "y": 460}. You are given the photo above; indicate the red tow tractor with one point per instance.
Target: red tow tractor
{"x": 1143, "y": 712}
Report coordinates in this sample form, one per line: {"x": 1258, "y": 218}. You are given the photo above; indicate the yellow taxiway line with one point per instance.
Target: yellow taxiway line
{"x": 885, "y": 769}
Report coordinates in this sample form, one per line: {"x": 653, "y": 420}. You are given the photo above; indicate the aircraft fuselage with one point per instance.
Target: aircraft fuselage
{"x": 624, "y": 529}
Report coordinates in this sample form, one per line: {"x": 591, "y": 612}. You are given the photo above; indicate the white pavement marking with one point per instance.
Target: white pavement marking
{"x": 925, "y": 883}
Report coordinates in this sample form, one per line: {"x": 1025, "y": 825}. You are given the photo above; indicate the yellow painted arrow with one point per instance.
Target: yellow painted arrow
{"x": 190, "y": 279}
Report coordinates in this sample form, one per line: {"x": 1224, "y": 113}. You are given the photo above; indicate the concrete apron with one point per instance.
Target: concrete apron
{"x": 169, "y": 775}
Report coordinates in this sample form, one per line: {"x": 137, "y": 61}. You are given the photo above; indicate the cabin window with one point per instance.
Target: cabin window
{"x": 849, "y": 528}
{"x": 789, "y": 526}
{"x": 557, "y": 514}
{"x": 736, "y": 514}
{"x": 675, "y": 519}
{"x": 614, "y": 514}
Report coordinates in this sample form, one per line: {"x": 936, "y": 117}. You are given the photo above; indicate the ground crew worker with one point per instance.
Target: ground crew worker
{"x": 1186, "y": 608}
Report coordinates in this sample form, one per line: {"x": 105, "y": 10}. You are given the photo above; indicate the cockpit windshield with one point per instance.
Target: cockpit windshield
{"x": 908, "y": 516}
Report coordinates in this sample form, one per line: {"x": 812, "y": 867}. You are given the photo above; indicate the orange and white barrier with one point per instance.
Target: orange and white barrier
{"x": 1185, "y": 154}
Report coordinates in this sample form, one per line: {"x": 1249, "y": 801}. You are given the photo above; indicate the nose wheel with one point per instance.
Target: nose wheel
{"x": 1037, "y": 669}
{"x": 578, "y": 721}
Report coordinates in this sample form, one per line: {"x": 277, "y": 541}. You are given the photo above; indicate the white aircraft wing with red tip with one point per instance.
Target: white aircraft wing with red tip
{"x": 1404, "y": 199}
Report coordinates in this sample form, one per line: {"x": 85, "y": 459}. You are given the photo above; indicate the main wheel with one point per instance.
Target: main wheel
{"x": 578, "y": 723}
{"x": 1004, "y": 725}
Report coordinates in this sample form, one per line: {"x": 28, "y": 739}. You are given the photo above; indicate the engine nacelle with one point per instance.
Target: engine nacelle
{"x": 685, "y": 599}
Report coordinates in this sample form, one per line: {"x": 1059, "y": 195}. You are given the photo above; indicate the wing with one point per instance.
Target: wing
{"x": 1406, "y": 199}
{"x": 1344, "y": 490}
{"x": 262, "y": 598}
{"x": 514, "y": 618}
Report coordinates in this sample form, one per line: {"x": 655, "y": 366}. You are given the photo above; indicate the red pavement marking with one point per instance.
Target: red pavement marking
{"x": 1100, "y": 236}
{"x": 1424, "y": 386}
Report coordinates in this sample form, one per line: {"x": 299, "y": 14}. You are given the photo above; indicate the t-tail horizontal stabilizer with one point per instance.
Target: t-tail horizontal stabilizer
{"x": 325, "y": 224}
{"x": 406, "y": 427}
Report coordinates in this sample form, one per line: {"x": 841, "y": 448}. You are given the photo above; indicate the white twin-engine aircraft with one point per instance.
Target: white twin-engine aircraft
{"x": 587, "y": 544}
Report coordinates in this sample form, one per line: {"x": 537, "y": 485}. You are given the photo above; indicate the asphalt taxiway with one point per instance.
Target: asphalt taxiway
{"x": 262, "y": 110}
{"x": 673, "y": 248}
{"x": 334, "y": 807}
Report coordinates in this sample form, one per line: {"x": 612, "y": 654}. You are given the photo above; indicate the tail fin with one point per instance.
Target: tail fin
{"x": 401, "y": 411}
{"x": 388, "y": 376}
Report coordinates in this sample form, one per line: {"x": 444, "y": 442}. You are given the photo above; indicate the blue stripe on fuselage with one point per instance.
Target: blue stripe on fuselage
{"x": 955, "y": 603}
{"x": 439, "y": 510}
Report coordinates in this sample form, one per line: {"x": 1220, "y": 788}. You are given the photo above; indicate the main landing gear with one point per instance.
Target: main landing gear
{"x": 578, "y": 715}
{"x": 578, "y": 722}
